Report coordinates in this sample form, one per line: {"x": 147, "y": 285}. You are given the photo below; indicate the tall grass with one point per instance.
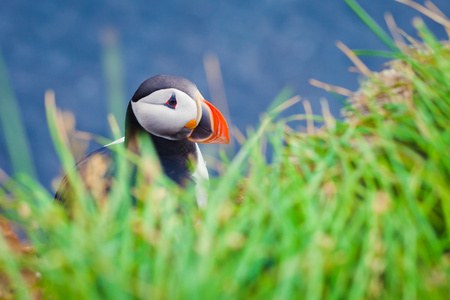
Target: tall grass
{"x": 358, "y": 209}
{"x": 13, "y": 128}
{"x": 113, "y": 70}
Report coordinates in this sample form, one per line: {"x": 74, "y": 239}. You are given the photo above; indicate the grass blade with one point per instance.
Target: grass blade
{"x": 11, "y": 121}
{"x": 113, "y": 70}
{"x": 364, "y": 16}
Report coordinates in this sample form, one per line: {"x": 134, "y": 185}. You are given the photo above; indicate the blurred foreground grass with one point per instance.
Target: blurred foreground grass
{"x": 358, "y": 209}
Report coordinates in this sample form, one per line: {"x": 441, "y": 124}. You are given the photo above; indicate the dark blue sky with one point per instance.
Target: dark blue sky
{"x": 263, "y": 46}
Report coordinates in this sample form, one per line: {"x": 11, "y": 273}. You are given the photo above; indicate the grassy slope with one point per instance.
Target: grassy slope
{"x": 358, "y": 209}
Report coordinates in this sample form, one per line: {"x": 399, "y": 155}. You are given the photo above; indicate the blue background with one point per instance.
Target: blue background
{"x": 263, "y": 46}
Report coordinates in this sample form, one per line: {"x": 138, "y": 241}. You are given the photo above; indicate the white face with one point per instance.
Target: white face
{"x": 155, "y": 116}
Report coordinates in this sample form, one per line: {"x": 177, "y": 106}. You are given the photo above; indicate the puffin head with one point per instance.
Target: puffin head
{"x": 171, "y": 107}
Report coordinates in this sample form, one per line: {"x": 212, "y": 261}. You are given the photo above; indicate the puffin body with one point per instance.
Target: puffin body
{"x": 173, "y": 113}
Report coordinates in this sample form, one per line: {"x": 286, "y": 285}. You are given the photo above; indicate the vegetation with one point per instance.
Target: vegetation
{"x": 358, "y": 209}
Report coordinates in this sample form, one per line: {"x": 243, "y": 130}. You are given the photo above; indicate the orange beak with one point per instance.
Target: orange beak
{"x": 212, "y": 127}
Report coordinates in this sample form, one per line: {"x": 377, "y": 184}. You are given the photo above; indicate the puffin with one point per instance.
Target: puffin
{"x": 172, "y": 112}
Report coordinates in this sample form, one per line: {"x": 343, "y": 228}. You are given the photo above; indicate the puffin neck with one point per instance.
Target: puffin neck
{"x": 174, "y": 155}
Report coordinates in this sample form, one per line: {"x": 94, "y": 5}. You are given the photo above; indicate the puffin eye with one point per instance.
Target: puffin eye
{"x": 172, "y": 102}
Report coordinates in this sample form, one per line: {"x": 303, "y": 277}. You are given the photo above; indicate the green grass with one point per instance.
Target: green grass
{"x": 113, "y": 69}
{"x": 359, "y": 209}
{"x": 13, "y": 128}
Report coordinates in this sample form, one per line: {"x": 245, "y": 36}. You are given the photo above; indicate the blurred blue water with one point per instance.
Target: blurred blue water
{"x": 262, "y": 46}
